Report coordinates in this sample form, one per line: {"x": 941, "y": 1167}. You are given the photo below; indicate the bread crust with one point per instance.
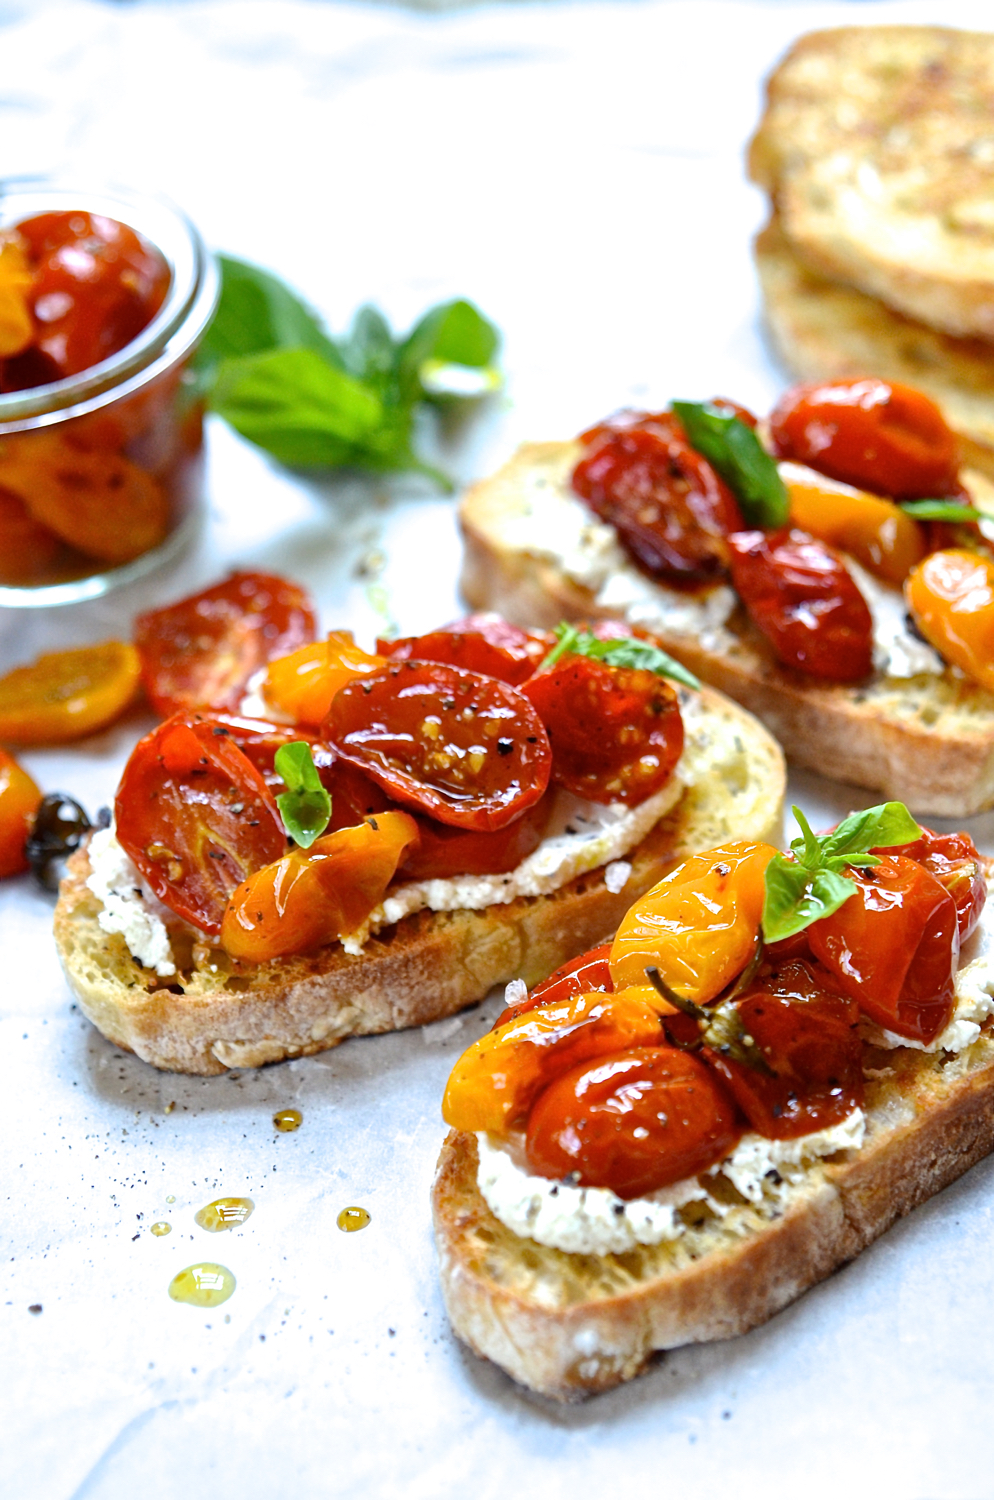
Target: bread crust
{"x": 427, "y": 966}
{"x": 928, "y": 742}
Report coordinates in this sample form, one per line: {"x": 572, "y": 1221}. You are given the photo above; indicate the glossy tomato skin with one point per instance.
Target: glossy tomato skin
{"x": 800, "y": 594}
{"x": 201, "y": 651}
{"x": 951, "y": 597}
{"x": 259, "y": 740}
{"x": 588, "y": 974}
{"x": 670, "y": 509}
{"x": 443, "y": 852}
{"x": 19, "y": 801}
{"x": 875, "y": 434}
{"x": 955, "y": 862}
{"x": 616, "y": 732}
{"x": 481, "y": 643}
{"x": 196, "y": 818}
{"x": 894, "y": 946}
{"x": 465, "y": 749}
{"x": 632, "y": 1121}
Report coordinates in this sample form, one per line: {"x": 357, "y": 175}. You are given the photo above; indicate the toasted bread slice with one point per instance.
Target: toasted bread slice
{"x": 927, "y": 740}
{"x": 569, "y": 1325}
{"x": 825, "y": 331}
{"x": 216, "y": 1013}
{"x": 876, "y": 148}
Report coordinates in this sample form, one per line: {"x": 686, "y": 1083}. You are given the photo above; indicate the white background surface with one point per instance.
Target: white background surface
{"x": 577, "y": 170}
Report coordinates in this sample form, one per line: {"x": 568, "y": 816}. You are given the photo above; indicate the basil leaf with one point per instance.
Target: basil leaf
{"x": 625, "y": 651}
{"x": 939, "y": 510}
{"x": 807, "y": 848}
{"x": 884, "y": 826}
{"x": 796, "y": 897}
{"x": 369, "y": 351}
{"x": 257, "y": 312}
{"x": 450, "y": 354}
{"x": 305, "y": 806}
{"x": 740, "y": 458}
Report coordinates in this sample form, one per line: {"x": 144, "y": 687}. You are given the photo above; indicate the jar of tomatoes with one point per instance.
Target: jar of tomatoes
{"x": 104, "y": 296}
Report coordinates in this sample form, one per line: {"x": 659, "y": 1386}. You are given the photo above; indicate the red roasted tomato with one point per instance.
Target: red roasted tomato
{"x": 480, "y": 643}
{"x": 583, "y": 976}
{"x": 443, "y": 851}
{"x": 799, "y": 593}
{"x": 954, "y": 861}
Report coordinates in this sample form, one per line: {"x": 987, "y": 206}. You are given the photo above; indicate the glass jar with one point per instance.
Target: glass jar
{"x": 115, "y": 452}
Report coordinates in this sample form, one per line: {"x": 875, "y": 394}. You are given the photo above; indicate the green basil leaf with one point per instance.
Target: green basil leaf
{"x": 939, "y": 510}
{"x": 305, "y": 806}
{"x": 369, "y": 351}
{"x": 740, "y": 458}
{"x": 884, "y": 826}
{"x": 257, "y": 312}
{"x": 796, "y": 897}
{"x": 626, "y": 651}
{"x": 807, "y": 848}
{"x": 455, "y": 333}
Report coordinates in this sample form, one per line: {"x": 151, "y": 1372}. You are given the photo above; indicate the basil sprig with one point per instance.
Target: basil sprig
{"x": 269, "y": 368}
{"x": 740, "y": 458}
{"x": 812, "y": 885}
{"x": 305, "y": 806}
{"x": 625, "y": 651}
{"x": 939, "y": 510}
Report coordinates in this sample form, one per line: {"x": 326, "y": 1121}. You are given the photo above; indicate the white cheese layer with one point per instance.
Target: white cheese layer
{"x": 896, "y": 651}
{"x": 595, "y": 1221}
{"x": 127, "y": 906}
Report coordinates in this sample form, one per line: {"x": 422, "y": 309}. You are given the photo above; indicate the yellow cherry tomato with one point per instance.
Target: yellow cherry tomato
{"x": 65, "y": 695}
{"x": 876, "y": 532}
{"x": 315, "y": 896}
{"x": 951, "y": 597}
{"x": 698, "y": 926}
{"x": 19, "y": 799}
{"x": 304, "y": 683}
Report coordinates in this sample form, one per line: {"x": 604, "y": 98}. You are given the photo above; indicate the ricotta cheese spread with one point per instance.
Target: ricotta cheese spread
{"x": 127, "y": 906}
{"x": 255, "y": 704}
{"x": 896, "y": 651}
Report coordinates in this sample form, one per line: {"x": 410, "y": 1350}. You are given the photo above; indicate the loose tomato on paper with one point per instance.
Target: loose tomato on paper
{"x": 874, "y": 434}
{"x": 316, "y": 896}
{"x": 303, "y": 683}
{"x": 616, "y": 732}
{"x": 894, "y": 946}
{"x": 955, "y": 862}
{"x": 951, "y": 598}
{"x": 201, "y": 651}
{"x": 633, "y": 1121}
{"x": 467, "y": 750}
{"x": 588, "y": 974}
{"x": 876, "y": 532}
{"x": 65, "y": 695}
{"x": 20, "y": 799}
{"x": 481, "y": 643}
{"x": 799, "y": 593}
{"x": 196, "y": 817}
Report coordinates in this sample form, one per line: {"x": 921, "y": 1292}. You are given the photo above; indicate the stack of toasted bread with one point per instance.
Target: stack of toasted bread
{"x": 877, "y": 150}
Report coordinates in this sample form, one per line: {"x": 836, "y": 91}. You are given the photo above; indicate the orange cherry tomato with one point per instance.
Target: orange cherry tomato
{"x": 893, "y": 946}
{"x": 196, "y": 817}
{"x": 874, "y": 434}
{"x": 303, "y": 683}
{"x": 633, "y": 1121}
{"x": 954, "y": 861}
{"x": 951, "y": 598}
{"x": 315, "y": 896}
{"x": 19, "y": 801}
{"x": 585, "y": 975}
{"x": 493, "y": 1084}
{"x": 201, "y": 651}
{"x": 698, "y": 926}
{"x": 16, "y": 326}
{"x": 876, "y": 532}
{"x": 481, "y": 643}
{"x": 616, "y": 732}
{"x": 27, "y": 549}
{"x": 65, "y": 695}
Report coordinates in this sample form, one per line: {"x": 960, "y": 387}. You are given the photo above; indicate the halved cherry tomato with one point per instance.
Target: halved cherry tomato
{"x": 201, "y": 651}
{"x": 875, "y": 434}
{"x": 616, "y": 732}
{"x": 465, "y": 749}
{"x": 27, "y": 549}
{"x": 443, "y": 852}
{"x": 585, "y": 975}
{"x": 893, "y": 946}
{"x": 493, "y": 1084}
{"x": 954, "y": 861}
{"x": 65, "y": 695}
{"x": 304, "y": 683}
{"x": 806, "y": 1033}
{"x": 19, "y": 801}
{"x": 196, "y": 817}
{"x": 699, "y": 925}
{"x": 315, "y": 896}
{"x": 632, "y": 1121}
{"x": 670, "y": 509}
{"x": 876, "y": 532}
{"x": 951, "y": 597}
{"x": 260, "y": 740}
{"x": 799, "y": 593}
{"x": 481, "y": 643}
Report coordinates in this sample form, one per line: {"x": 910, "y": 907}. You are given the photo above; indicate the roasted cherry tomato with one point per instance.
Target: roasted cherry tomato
{"x": 19, "y": 801}
{"x": 699, "y": 925}
{"x": 28, "y": 550}
{"x": 799, "y": 593}
{"x": 669, "y": 507}
{"x": 196, "y": 817}
{"x": 633, "y": 1121}
{"x": 201, "y": 651}
{"x": 65, "y": 695}
{"x": 481, "y": 643}
{"x": 893, "y": 946}
{"x": 259, "y": 740}
{"x": 465, "y": 749}
{"x": 616, "y": 732}
{"x": 954, "y": 861}
{"x": 806, "y": 1033}
{"x": 951, "y": 597}
{"x": 315, "y": 896}
{"x": 442, "y": 852}
{"x": 16, "y": 325}
{"x": 876, "y": 434}
{"x": 876, "y": 532}
{"x": 731, "y": 408}
{"x": 303, "y": 683}
{"x": 585, "y": 975}
{"x": 493, "y": 1084}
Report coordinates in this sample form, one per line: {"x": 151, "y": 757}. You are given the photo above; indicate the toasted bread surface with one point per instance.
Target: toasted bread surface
{"x": 216, "y": 1013}
{"x": 876, "y": 149}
